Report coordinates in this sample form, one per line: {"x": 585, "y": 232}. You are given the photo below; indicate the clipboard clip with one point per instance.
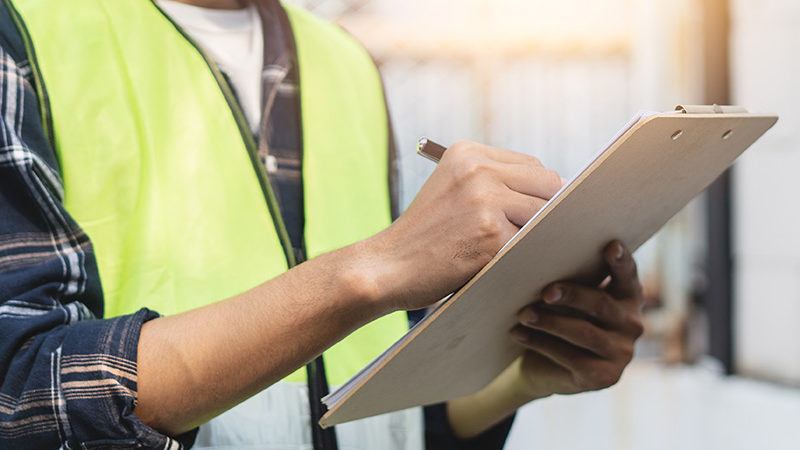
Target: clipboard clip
{"x": 710, "y": 109}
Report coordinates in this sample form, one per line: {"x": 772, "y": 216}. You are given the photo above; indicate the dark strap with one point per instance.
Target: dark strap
{"x": 318, "y": 388}
{"x": 281, "y": 147}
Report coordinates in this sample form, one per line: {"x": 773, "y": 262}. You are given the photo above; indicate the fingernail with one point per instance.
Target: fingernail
{"x": 619, "y": 251}
{"x": 553, "y": 295}
{"x": 519, "y": 336}
{"x": 528, "y": 316}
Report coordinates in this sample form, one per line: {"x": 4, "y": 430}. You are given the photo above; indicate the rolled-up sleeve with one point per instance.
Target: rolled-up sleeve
{"x": 67, "y": 377}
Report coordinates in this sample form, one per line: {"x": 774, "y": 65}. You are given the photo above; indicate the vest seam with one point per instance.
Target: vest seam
{"x": 247, "y": 140}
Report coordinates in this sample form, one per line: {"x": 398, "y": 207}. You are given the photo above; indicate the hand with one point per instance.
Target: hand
{"x": 579, "y": 338}
{"x": 474, "y": 202}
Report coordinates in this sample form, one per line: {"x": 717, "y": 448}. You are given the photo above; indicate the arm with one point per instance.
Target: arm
{"x": 246, "y": 343}
{"x": 207, "y": 360}
{"x": 178, "y": 371}
{"x": 576, "y": 339}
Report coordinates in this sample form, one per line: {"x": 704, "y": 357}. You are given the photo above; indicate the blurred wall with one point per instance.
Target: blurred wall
{"x": 665, "y": 408}
{"x": 555, "y": 79}
{"x": 766, "y": 78}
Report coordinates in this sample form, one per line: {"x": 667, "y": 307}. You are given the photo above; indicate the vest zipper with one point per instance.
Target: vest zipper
{"x": 249, "y": 143}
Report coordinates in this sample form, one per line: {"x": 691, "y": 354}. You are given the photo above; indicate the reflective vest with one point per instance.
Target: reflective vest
{"x": 161, "y": 171}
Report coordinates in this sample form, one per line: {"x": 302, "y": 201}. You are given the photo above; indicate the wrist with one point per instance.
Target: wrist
{"x": 519, "y": 385}
{"x": 384, "y": 275}
{"x": 364, "y": 276}
{"x": 474, "y": 414}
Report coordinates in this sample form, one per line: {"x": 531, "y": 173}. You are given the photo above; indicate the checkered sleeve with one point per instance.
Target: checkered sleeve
{"x": 67, "y": 378}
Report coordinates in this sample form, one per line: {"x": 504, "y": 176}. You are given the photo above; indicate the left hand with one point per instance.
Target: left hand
{"x": 579, "y": 338}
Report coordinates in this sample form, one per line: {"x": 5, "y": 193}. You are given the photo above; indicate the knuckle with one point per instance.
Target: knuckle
{"x": 636, "y": 325}
{"x": 469, "y": 169}
{"x": 552, "y": 178}
{"x": 583, "y": 368}
{"x": 532, "y": 160}
{"x": 598, "y": 376}
{"x": 480, "y": 200}
{"x": 545, "y": 322}
{"x": 489, "y": 227}
{"x": 626, "y": 352}
{"x": 602, "y": 308}
{"x": 538, "y": 204}
{"x": 610, "y": 378}
{"x": 604, "y": 344}
{"x": 589, "y": 335}
{"x": 583, "y": 383}
{"x": 605, "y": 378}
{"x": 461, "y": 147}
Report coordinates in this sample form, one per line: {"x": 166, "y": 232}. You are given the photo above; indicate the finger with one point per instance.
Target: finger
{"x": 578, "y": 332}
{"x": 507, "y": 231}
{"x": 540, "y": 366}
{"x": 562, "y": 353}
{"x": 508, "y": 156}
{"x": 519, "y": 208}
{"x": 594, "y": 303}
{"x": 624, "y": 274}
{"x": 536, "y": 181}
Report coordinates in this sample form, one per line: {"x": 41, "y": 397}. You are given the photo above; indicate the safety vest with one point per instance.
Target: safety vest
{"x": 161, "y": 171}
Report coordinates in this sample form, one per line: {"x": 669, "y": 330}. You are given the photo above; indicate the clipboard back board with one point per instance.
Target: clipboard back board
{"x": 628, "y": 192}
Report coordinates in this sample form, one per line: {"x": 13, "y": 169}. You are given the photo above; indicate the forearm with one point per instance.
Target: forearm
{"x": 474, "y": 414}
{"x": 195, "y": 365}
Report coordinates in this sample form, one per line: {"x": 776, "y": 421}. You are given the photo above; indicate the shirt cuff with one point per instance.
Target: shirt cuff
{"x": 97, "y": 370}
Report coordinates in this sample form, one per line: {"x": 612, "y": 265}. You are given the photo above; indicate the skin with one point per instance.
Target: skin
{"x": 195, "y": 365}
{"x": 576, "y": 339}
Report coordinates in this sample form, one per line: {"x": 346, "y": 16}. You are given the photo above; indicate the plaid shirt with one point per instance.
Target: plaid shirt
{"x": 68, "y": 377}
{"x": 67, "y": 380}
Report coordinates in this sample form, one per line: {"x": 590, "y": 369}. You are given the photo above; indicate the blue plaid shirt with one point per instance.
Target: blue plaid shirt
{"x": 67, "y": 376}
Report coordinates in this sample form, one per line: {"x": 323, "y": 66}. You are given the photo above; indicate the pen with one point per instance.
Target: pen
{"x": 433, "y": 151}
{"x": 430, "y": 149}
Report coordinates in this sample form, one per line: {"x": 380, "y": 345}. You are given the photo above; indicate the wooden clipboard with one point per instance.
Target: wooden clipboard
{"x": 646, "y": 175}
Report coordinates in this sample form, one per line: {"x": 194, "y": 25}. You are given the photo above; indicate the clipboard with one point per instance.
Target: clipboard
{"x": 655, "y": 165}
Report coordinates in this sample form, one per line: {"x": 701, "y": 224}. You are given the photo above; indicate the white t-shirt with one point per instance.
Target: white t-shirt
{"x": 234, "y": 39}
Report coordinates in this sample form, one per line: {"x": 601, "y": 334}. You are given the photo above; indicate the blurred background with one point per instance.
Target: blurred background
{"x": 719, "y": 367}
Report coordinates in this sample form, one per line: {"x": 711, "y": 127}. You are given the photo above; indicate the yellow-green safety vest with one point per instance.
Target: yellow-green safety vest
{"x": 161, "y": 171}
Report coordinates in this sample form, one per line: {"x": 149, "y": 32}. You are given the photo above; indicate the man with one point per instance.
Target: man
{"x": 207, "y": 148}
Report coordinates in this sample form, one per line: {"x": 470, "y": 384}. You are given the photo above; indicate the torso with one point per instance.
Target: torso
{"x": 277, "y": 418}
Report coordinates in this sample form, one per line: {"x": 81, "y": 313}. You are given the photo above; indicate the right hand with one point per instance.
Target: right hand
{"x": 473, "y": 203}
